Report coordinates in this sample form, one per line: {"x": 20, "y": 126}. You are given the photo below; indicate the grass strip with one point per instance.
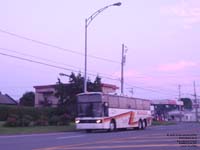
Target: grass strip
{"x": 35, "y": 129}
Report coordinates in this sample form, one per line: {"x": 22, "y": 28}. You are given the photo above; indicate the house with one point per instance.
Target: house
{"x": 5, "y": 99}
{"x": 46, "y": 94}
{"x": 108, "y": 88}
{"x": 186, "y": 115}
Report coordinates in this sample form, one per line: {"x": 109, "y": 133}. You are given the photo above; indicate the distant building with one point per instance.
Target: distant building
{"x": 186, "y": 115}
{"x": 161, "y": 108}
{"x": 108, "y": 88}
{"x": 5, "y": 99}
{"x": 46, "y": 94}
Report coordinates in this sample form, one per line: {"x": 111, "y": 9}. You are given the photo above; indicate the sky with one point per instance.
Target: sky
{"x": 161, "y": 40}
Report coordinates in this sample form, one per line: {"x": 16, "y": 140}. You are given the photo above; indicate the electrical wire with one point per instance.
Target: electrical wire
{"x": 150, "y": 90}
{"x": 48, "y": 60}
{"x": 64, "y": 68}
{"x": 50, "y": 65}
{"x": 55, "y": 46}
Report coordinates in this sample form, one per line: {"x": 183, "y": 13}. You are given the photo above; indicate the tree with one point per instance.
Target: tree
{"x": 187, "y": 103}
{"x": 66, "y": 93}
{"x": 28, "y": 99}
{"x": 97, "y": 85}
{"x": 61, "y": 92}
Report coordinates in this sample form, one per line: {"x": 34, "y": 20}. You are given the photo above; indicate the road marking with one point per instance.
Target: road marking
{"x": 125, "y": 146}
{"x": 140, "y": 140}
{"x": 77, "y": 147}
{"x": 29, "y": 135}
{"x": 86, "y": 145}
{"x": 69, "y": 137}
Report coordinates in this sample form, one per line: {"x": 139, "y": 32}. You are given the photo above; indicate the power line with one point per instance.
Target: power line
{"x": 48, "y": 60}
{"x": 160, "y": 91}
{"x": 72, "y": 51}
{"x": 56, "y": 47}
{"x": 64, "y": 68}
{"x": 49, "y": 65}
{"x": 44, "y": 59}
{"x": 59, "y": 67}
{"x": 148, "y": 89}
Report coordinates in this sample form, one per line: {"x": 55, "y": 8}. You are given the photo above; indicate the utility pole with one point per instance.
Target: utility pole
{"x": 123, "y": 61}
{"x": 122, "y": 71}
{"x": 179, "y": 99}
{"x": 179, "y": 90}
{"x": 179, "y": 95}
{"x": 131, "y": 91}
{"x": 195, "y": 101}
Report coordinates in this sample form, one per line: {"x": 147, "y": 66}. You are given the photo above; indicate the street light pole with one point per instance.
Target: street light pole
{"x": 85, "y": 74}
{"x": 123, "y": 61}
{"x": 122, "y": 71}
{"x": 87, "y": 22}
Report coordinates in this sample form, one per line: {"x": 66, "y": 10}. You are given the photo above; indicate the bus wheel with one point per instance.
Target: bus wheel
{"x": 144, "y": 123}
{"x": 88, "y": 130}
{"x": 112, "y": 126}
{"x": 140, "y": 125}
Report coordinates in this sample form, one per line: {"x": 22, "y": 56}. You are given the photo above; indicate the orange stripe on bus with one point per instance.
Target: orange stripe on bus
{"x": 131, "y": 119}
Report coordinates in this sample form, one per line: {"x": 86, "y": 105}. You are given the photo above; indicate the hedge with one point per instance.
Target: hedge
{"x": 25, "y": 115}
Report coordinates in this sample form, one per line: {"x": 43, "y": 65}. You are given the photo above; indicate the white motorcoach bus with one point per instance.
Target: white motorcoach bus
{"x": 104, "y": 111}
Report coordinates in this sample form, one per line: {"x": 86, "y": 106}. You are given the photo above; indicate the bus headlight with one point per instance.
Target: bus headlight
{"x": 99, "y": 121}
{"x": 77, "y": 121}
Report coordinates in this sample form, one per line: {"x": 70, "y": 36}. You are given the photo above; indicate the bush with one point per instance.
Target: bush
{"x": 12, "y": 121}
{"x": 4, "y": 112}
{"x": 25, "y": 120}
{"x": 42, "y": 121}
{"x": 54, "y": 120}
{"x": 64, "y": 119}
{"x": 15, "y": 120}
{"x": 24, "y": 116}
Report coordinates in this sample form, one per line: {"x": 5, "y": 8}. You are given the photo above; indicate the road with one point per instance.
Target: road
{"x": 183, "y": 136}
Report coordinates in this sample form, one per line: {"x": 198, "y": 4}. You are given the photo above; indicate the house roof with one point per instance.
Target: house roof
{"x": 109, "y": 86}
{"x": 6, "y": 99}
{"x": 106, "y": 85}
{"x": 44, "y": 86}
{"x": 166, "y": 102}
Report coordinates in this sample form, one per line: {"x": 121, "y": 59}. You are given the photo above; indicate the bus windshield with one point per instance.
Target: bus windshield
{"x": 90, "y": 109}
{"x": 89, "y": 98}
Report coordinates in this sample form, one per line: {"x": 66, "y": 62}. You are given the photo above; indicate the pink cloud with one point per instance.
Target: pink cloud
{"x": 189, "y": 15}
{"x": 133, "y": 76}
{"x": 177, "y": 66}
{"x": 127, "y": 73}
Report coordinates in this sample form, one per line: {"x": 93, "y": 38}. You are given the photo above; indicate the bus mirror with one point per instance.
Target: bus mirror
{"x": 105, "y": 109}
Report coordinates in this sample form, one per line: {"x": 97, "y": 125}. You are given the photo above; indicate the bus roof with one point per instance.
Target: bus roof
{"x": 89, "y": 93}
{"x": 101, "y": 93}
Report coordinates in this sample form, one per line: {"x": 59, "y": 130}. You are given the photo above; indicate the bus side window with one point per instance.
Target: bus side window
{"x": 105, "y": 109}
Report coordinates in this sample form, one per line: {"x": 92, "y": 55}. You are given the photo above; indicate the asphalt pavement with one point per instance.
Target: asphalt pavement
{"x": 182, "y": 136}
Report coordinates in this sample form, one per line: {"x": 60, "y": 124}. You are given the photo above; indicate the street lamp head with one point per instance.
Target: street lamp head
{"x": 63, "y": 74}
{"x": 117, "y": 4}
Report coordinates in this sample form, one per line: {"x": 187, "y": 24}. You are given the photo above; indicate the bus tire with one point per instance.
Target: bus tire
{"x": 112, "y": 126}
{"x": 89, "y": 130}
{"x": 140, "y": 124}
{"x": 144, "y": 123}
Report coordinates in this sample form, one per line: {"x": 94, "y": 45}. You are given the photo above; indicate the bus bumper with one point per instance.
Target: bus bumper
{"x": 94, "y": 126}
